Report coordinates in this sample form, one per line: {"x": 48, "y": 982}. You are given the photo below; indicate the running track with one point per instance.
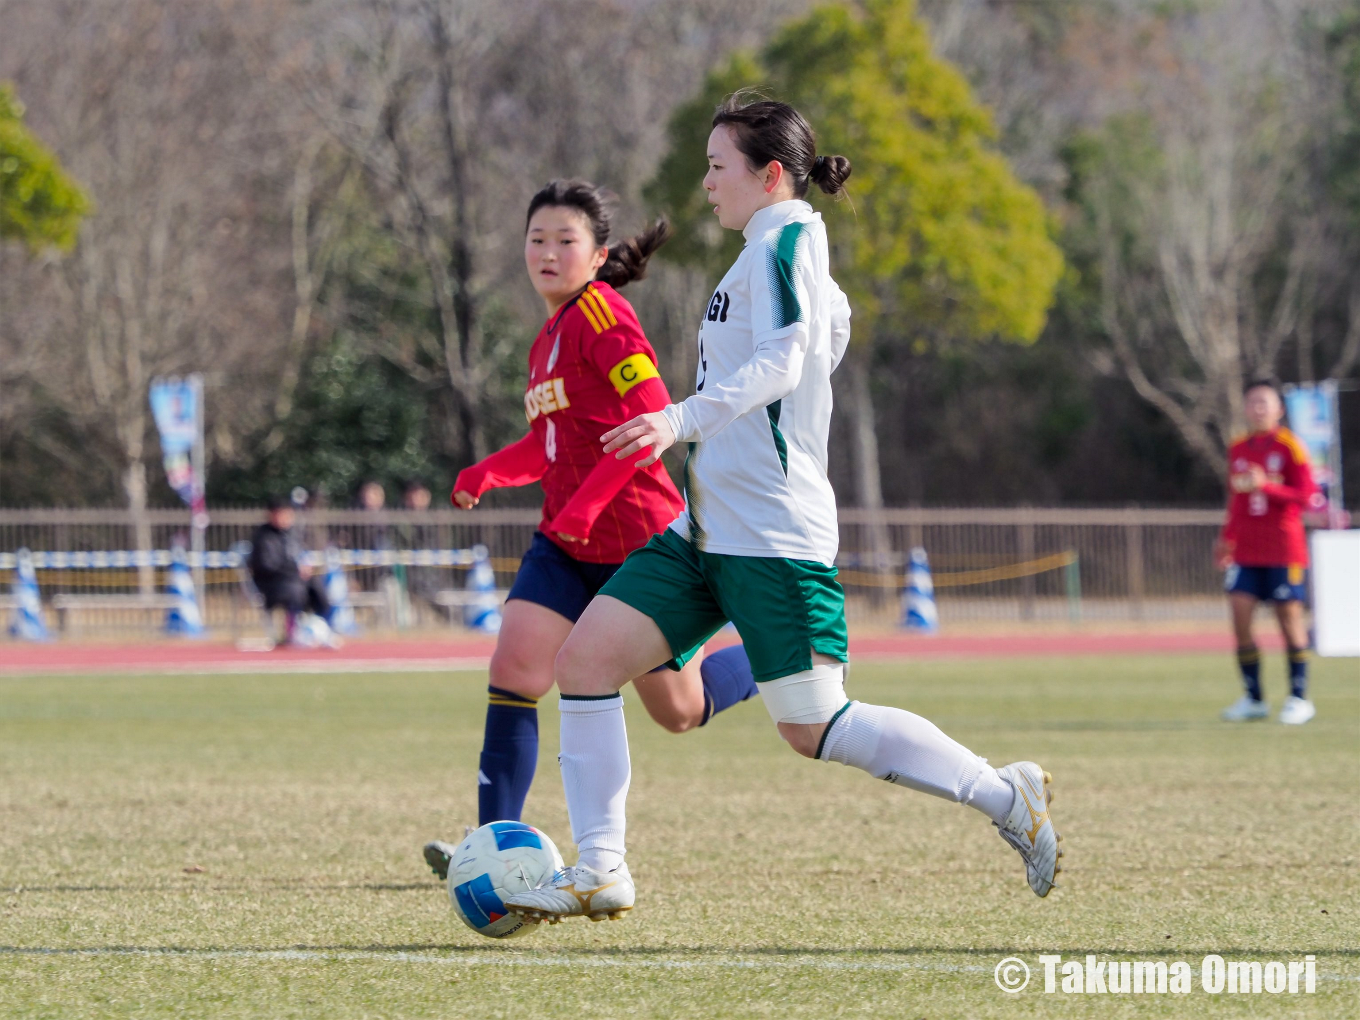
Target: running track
{"x": 433, "y": 655}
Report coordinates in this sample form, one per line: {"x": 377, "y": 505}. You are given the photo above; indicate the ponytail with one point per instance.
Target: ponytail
{"x": 628, "y": 259}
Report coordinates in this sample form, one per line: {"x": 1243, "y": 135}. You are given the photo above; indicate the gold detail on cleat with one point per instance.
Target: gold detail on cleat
{"x": 585, "y": 898}
{"x": 536, "y": 915}
{"x": 1037, "y": 818}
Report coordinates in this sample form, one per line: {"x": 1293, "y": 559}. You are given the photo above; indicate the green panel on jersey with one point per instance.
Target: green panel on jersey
{"x": 783, "y": 609}
{"x": 781, "y": 447}
{"x": 780, "y": 263}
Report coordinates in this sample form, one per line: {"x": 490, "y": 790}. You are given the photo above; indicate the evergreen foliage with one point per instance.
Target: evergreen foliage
{"x": 939, "y": 240}
{"x": 40, "y": 205}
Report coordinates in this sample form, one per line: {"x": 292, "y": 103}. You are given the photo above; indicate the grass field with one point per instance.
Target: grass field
{"x": 769, "y": 885}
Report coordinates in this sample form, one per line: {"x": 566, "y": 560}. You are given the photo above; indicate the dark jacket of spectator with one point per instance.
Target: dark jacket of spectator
{"x": 274, "y": 558}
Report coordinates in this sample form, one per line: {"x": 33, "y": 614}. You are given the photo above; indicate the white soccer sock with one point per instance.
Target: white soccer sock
{"x": 595, "y": 775}
{"x": 905, "y": 749}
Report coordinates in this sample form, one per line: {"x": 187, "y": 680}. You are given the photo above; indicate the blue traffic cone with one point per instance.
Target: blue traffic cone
{"x": 27, "y": 622}
{"x": 484, "y": 612}
{"x": 918, "y": 599}
{"x": 183, "y": 617}
{"x": 341, "y": 618}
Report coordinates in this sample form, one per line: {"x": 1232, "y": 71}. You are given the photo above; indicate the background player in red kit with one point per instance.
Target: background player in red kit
{"x": 590, "y": 369}
{"x": 1264, "y": 550}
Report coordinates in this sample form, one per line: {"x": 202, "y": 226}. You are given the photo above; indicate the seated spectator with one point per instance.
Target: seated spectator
{"x": 415, "y": 495}
{"x": 277, "y": 567}
{"x": 371, "y": 496}
{"x": 425, "y": 582}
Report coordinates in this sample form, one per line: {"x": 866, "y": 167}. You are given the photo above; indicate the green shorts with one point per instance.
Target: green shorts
{"x": 783, "y": 609}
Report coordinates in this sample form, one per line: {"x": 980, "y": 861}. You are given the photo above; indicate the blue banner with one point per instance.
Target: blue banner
{"x": 1313, "y": 417}
{"x": 175, "y": 406}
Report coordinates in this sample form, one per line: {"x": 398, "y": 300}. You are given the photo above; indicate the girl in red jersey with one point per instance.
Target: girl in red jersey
{"x": 1263, "y": 549}
{"x": 590, "y": 369}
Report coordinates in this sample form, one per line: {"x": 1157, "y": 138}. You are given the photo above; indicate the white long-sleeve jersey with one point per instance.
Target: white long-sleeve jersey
{"x": 772, "y": 334}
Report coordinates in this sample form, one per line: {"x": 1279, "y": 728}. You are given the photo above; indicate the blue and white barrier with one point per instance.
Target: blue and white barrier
{"x": 26, "y": 623}
{"x": 484, "y": 612}
{"x": 183, "y": 617}
{"x": 918, "y": 598}
{"x": 341, "y": 618}
{"x": 232, "y": 558}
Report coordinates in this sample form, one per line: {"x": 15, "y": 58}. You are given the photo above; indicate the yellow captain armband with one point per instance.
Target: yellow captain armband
{"x": 631, "y": 371}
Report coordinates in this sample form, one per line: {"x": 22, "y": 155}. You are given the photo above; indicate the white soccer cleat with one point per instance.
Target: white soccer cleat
{"x": 1296, "y": 711}
{"x": 1028, "y": 828}
{"x": 1246, "y": 708}
{"x": 577, "y": 891}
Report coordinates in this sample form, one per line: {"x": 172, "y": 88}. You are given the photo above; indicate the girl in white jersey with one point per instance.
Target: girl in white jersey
{"x": 756, "y": 543}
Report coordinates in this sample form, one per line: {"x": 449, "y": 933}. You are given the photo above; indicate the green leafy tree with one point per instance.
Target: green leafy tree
{"x": 354, "y": 418}
{"x": 939, "y": 243}
{"x": 39, "y": 204}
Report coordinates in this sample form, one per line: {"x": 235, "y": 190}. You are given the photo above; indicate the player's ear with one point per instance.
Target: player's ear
{"x": 772, "y": 175}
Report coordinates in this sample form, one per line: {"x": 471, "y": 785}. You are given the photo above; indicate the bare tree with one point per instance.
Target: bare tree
{"x": 154, "y": 114}
{"x": 1194, "y": 194}
{"x": 458, "y": 109}
{"x": 394, "y": 84}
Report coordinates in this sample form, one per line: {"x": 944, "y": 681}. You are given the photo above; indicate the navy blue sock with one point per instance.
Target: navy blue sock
{"x": 1249, "y": 662}
{"x": 509, "y": 756}
{"x": 1298, "y": 672}
{"x": 727, "y": 680}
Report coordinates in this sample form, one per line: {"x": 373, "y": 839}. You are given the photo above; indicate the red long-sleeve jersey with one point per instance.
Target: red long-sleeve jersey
{"x": 590, "y": 369}
{"x": 1265, "y": 527}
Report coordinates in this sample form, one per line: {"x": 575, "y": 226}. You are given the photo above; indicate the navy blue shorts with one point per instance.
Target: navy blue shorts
{"x": 551, "y": 578}
{"x": 1269, "y": 584}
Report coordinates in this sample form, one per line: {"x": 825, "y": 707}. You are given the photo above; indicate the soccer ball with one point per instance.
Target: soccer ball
{"x": 311, "y": 631}
{"x": 494, "y": 862}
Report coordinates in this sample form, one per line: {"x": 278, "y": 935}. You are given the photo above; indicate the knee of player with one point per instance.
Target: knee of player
{"x": 676, "y": 722}
{"x": 804, "y": 704}
{"x": 572, "y": 667}
{"x": 511, "y": 672}
{"x": 802, "y": 737}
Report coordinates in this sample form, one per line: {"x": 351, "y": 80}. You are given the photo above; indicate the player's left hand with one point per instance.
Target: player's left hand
{"x": 1223, "y": 554}
{"x": 1257, "y": 478}
{"x": 648, "y": 431}
{"x": 572, "y": 538}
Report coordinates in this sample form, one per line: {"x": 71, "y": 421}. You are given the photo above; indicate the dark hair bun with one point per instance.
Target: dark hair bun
{"x": 830, "y": 173}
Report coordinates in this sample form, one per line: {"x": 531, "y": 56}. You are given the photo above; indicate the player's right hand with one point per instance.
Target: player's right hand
{"x": 648, "y": 431}
{"x": 465, "y": 499}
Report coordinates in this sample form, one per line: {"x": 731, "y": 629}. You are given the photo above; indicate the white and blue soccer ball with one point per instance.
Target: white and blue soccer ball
{"x": 492, "y": 863}
{"x": 311, "y": 631}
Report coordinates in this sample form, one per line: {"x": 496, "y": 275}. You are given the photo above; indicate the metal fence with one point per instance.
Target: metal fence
{"x": 1031, "y": 564}
{"x": 1022, "y": 564}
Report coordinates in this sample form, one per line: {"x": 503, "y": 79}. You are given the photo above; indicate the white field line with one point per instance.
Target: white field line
{"x": 264, "y": 665}
{"x": 478, "y": 958}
